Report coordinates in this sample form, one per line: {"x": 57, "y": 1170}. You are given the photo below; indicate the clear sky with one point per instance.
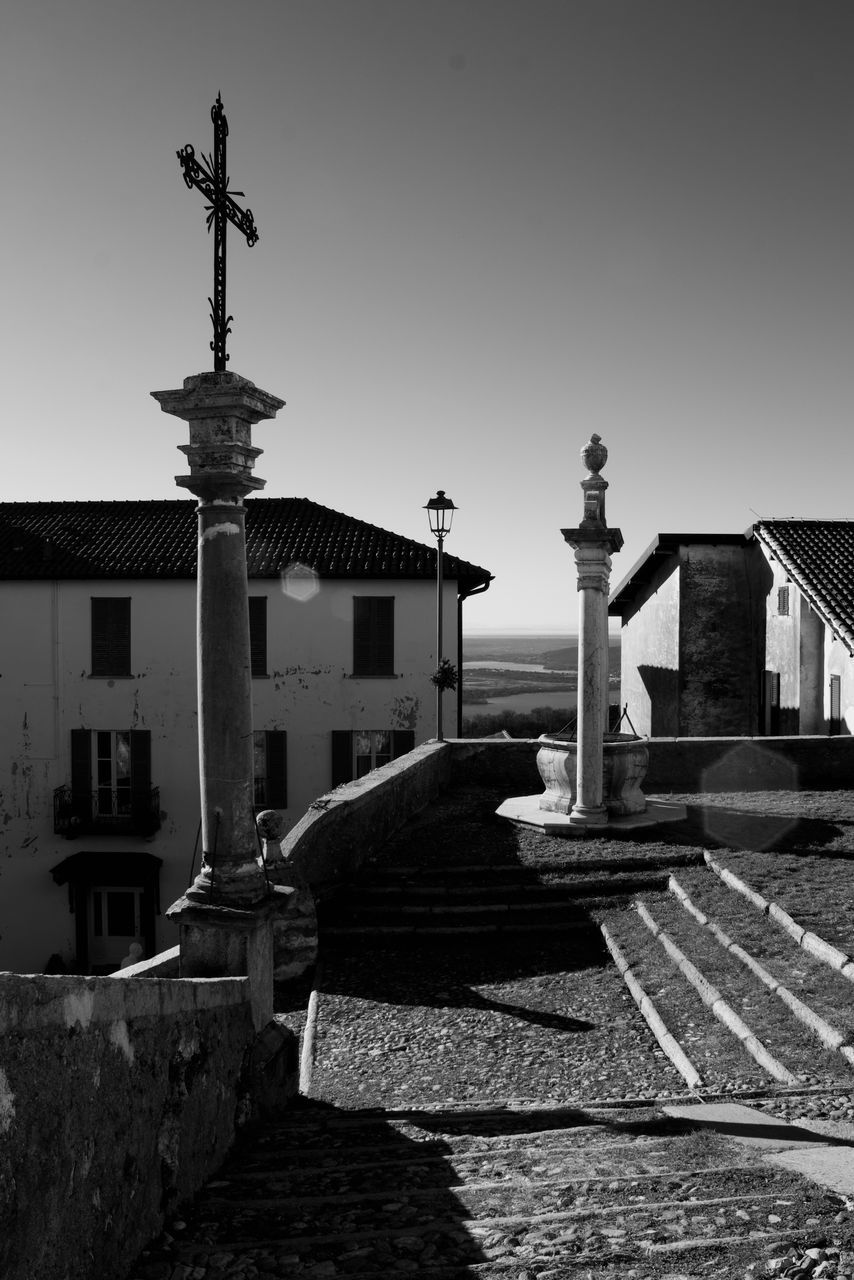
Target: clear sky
{"x": 487, "y": 228}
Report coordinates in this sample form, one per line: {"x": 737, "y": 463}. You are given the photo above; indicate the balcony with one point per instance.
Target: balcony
{"x": 106, "y": 812}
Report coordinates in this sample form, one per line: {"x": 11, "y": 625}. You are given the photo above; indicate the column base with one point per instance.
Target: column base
{"x": 589, "y": 815}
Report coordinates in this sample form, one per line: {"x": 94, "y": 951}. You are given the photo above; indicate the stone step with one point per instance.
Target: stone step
{"x": 774, "y": 1024}
{"x": 813, "y": 981}
{"x": 557, "y": 859}
{"x": 719, "y": 1058}
{"x": 609, "y": 1191}
{"x": 465, "y": 923}
{"x": 489, "y": 890}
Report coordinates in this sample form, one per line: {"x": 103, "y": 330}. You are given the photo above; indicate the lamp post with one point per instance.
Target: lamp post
{"x": 440, "y": 511}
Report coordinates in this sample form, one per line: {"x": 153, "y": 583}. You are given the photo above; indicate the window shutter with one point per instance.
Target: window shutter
{"x": 81, "y": 774}
{"x": 277, "y": 769}
{"x": 402, "y": 740}
{"x": 342, "y": 756}
{"x": 384, "y": 631}
{"x": 258, "y": 635}
{"x": 111, "y": 636}
{"x": 140, "y": 777}
{"x": 373, "y": 636}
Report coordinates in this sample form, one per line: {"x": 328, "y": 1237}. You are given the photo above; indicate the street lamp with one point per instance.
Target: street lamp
{"x": 440, "y": 511}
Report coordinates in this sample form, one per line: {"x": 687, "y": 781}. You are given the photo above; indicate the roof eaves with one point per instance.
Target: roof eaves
{"x": 815, "y": 597}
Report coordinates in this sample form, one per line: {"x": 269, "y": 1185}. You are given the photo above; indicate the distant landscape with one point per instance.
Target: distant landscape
{"x": 526, "y": 685}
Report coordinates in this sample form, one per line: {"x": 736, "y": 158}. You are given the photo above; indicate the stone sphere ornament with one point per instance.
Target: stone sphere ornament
{"x": 594, "y": 455}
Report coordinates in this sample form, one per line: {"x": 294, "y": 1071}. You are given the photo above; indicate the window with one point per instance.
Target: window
{"x": 371, "y": 748}
{"x": 356, "y": 751}
{"x": 271, "y": 769}
{"x": 111, "y": 759}
{"x": 110, "y": 784}
{"x": 373, "y": 636}
{"x": 835, "y": 704}
{"x": 111, "y": 636}
{"x": 783, "y": 601}
{"x": 258, "y": 636}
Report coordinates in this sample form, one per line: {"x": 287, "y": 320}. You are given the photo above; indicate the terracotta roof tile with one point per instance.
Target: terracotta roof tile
{"x": 818, "y": 556}
{"x": 158, "y": 540}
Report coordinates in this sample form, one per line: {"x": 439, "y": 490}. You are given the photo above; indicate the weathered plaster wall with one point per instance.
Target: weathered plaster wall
{"x": 311, "y": 690}
{"x": 117, "y": 1101}
{"x": 718, "y": 641}
{"x": 649, "y": 654}
{"x": 811, "y": 673}
{"x": 783, "y": 647}
{"x": 839, "y": 662}
{"x": 46, "y": 691}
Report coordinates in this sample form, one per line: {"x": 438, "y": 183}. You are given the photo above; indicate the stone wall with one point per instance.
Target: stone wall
{"x": 720, "y": 640}
{"x": 749, "y": 764}
{"x": 117, "y": 1101}
{"x": 342, "y": 829}
{"x": 649, "y": 654}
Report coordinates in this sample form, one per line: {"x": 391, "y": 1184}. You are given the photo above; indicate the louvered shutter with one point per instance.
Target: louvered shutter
{"x": 342, "y": 756}
{"x": 276, "y": 794}
{"x": 373, "y": 636}
{"x": 258, "y": 635}
{"x": 111, "y": 636}
{"x": 81, "y": 775}
{"x": 402, "y": 740}
{"x": 140, "y": 778}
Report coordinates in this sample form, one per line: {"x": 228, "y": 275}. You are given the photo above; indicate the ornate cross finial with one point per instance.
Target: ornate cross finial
{"x": 211, "y": 179}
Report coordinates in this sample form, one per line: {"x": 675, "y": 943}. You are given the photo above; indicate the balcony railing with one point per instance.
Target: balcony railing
{"x": 77, "y": 813}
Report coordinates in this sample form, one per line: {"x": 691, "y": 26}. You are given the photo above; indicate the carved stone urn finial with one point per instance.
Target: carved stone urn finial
{"x": 594, "y": 455}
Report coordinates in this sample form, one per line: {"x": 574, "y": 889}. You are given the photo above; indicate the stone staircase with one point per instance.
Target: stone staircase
{"x": 745, "y": 1003}
{"x": 447, "y": 1194}
{"x": 410, "y": 901}
{"x": 487, "y": 1100}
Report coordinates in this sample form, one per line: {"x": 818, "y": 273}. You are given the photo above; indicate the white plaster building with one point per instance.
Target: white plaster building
{"x": 746, "y": 634}
{"x": 99, "y": 795}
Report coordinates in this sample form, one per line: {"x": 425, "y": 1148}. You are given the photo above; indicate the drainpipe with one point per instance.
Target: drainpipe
{"x": 464, "y": 595}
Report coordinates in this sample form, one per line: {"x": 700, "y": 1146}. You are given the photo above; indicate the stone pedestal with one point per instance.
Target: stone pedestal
{"x": 218, "y": 941}
{"x": 224, "y": 917}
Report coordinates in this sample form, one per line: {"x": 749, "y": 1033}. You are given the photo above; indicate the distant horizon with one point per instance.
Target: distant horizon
{"x": 511, "y": 632}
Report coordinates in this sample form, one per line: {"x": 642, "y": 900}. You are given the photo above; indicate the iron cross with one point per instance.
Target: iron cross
{"x": 211, "y": 179}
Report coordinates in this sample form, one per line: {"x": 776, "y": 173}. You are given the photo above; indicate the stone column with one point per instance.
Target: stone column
{"x": 593, "y": 543}
{"x": 221, "y": 913}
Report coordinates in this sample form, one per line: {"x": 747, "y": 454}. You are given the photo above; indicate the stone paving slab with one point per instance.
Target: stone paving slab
{"x": 753, "y": 1128}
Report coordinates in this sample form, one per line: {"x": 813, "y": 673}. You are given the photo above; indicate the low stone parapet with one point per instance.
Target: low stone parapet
{"x": 117, "y": 1101}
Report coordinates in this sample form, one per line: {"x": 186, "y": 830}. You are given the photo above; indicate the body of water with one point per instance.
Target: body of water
{"x": 564, "y": 698}
{"x": 489, "y": 665}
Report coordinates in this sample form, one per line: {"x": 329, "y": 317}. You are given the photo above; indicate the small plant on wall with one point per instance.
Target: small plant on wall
{"x": 445, "y": 676}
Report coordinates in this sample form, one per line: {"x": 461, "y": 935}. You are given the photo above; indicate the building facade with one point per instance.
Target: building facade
{"x": 741, "y": 634}
{"x": 99, "y": 794}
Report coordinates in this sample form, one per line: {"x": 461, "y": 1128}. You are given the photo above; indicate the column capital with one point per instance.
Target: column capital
{"x": 608, "y": 540}
{"x": 221, "y": 409}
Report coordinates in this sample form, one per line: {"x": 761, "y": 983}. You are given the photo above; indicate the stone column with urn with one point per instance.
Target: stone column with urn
{"x": 225, "y": 917}
{"x": 593, "y": 543}
{"x": 592, "y": 776}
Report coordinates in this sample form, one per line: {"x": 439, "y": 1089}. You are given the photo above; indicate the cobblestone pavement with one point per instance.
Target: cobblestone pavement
{"x": 491, "y": 1107}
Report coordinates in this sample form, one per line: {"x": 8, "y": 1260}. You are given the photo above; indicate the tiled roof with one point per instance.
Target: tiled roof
{"x": 158, "y": 540}
{"x": 818, "y": 556}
